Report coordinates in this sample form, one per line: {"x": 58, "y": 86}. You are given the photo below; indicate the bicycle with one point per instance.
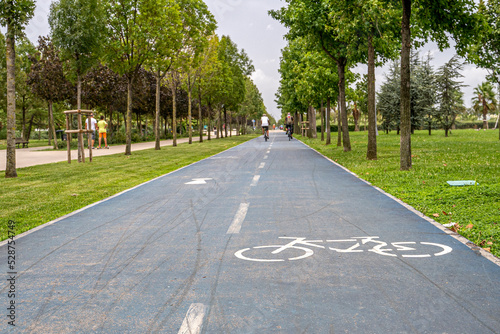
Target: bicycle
{"x": 408, "y": 249}
{"x": 265, "y": 136}
{"x": 289, "y": 133}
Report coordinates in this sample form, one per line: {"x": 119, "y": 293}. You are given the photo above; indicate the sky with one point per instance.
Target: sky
{"x": 248, "y": 24}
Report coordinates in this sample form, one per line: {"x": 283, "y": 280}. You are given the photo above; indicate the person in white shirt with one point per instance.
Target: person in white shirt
{"x": 93, "y": 123}
{"x": 265, "y": 124}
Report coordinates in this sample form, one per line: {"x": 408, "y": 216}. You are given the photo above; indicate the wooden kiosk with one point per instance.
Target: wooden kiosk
{"x": 80, "y": 131}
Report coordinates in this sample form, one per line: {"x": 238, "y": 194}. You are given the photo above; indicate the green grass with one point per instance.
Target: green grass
{"x": 465, "y": 155}
{"x": 45, "y": 192}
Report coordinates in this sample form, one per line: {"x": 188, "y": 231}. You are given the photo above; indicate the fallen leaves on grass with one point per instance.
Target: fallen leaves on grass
{"x": 435, "y": 215}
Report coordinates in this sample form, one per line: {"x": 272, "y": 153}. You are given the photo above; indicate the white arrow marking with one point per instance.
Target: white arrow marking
{"x": 198, "y": 181}
{"x": 193, "y": 321}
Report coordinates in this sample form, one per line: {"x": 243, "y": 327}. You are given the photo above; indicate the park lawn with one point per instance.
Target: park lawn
{"x": 45, "y": 192}
{"x": 464, "y": 155}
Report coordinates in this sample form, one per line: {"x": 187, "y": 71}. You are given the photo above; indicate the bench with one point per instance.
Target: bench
{"x": 20, "y": 141}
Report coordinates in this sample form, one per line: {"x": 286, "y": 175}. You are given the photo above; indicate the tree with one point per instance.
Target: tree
{"x": 485, "y": 51}
{"x": 165, "y": 51}
{"x": 208, "y": 83}
{"x": 47, "y": 79}
{"x": 424, "y": 85}
{"x": 235, "y": 67}
{"x": 438, "y": 21}
{"x": 133, "y": 27}
{"x": 77, "y": 31}
{"x": 321, "y": 22}
{"x": 14, "y": 14}
{"x": 449, "y": 93}
{"x": 389, "y": 98}
{"x": 484, "y": 100}
{"x": 198, "y": 25}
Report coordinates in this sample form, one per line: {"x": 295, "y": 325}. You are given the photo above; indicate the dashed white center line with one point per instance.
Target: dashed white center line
{"x": 255, "y": 181}
{"x": 262, "y": 164}
{"x": 238, "y": 219}
{"x": 265, "y": 157}
{"x": 194, "y": 319}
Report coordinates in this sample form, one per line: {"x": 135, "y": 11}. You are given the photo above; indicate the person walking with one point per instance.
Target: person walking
{"x": 93, "y": 123}
{"x": 102, "y": 125}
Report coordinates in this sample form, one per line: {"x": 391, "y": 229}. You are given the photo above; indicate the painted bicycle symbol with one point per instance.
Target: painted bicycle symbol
{"x": 300, "y": 248}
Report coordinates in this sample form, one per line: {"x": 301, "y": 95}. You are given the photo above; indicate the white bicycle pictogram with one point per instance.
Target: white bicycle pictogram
{"x": 406, "y": 249}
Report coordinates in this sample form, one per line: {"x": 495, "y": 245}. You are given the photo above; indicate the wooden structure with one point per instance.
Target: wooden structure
{"x": 304, "y": 126}
{"x": 80, "y": 131}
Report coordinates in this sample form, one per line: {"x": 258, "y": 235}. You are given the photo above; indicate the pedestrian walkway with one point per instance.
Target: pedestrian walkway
{"x": 26, "y": 157}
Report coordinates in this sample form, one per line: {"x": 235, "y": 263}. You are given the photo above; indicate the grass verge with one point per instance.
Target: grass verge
{"x": 45, "y": 192}
{"x": 465, "y": 155}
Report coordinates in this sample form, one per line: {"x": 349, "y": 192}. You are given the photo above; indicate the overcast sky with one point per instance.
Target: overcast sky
{"x": 252, "y": 29}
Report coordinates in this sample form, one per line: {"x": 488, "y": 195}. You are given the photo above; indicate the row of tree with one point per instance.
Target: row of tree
{"x": 127, "y": 56}
{"x": 331, "y": 36}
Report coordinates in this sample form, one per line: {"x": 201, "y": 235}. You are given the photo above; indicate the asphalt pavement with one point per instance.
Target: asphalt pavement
{"x": 266, "y": 237}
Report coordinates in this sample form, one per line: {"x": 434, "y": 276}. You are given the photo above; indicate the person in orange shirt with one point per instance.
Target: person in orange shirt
{"x": 102, "y": 125}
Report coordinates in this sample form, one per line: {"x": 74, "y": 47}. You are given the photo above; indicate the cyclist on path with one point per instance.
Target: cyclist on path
{"x": 265, "y": 125}
{"x": 289, "y": 124}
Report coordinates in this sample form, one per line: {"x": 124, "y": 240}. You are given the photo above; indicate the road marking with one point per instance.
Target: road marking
{"x": 255, "y": 180}
{"x": 268, "y": 152}
{"x": 265, "y": 157}
{"x": 238, "y": 219}
{"x": 262, "y": 164}
{"x": 198, "y": 181}
{"x": 194, "y": 319}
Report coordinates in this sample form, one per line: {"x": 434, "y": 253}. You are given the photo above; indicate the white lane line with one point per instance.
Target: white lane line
{"x": 268, "y": 152}
{"x": 255, "y": 181}
{"x": 238, "y": 219}
{"x": 194, "y": 319}
{"x": 265, "y": 157}
{"x": 262, "y": 164}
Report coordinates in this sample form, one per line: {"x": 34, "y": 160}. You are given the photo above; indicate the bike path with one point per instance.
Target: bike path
{"x": 178, "y": 255}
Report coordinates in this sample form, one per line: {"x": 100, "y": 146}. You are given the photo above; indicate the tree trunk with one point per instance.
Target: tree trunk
{"x": 225, "y": 122}
{"x": 322, "y": 111}
{"x": 128, "y": 121}
{"x": 339, "y": 126}
{"x": 405, "y": 123}
{"x": 219, "y": 123}
{"x": 485, "y": 113}
{"x": 328, "y": 128}
{"x": 52, "y": 125}
{"x": 23, "y": 130}
{"x": 174, "y": 114}
{"x": 157, "y": 111}
{"x": 10, "y": 167}
{"x": 190, "y": 128}
{"x": 80, "y": 146}
{"x": 309, "y": 121}
{"x": 371, "y": 153}
{"x": 312, "y": 123}
{"x": 209, "y": 122}
{"x": 341, "y": 63}
{"x": 200, "y": 122}
{"x": 30, "y": 126}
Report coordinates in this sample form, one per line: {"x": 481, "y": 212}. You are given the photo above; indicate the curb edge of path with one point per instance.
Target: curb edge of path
{"x": 39, "y": 227}
{"x": 476, "y": 249}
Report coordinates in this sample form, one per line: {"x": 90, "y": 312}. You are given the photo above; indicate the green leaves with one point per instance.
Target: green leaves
{"x": 14, "y": 14}
{"x": 77, "y": 28}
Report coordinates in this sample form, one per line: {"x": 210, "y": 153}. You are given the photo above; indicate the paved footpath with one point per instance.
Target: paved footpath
{"x": 26, "y": 157}
{"x": 267, "y": 237}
